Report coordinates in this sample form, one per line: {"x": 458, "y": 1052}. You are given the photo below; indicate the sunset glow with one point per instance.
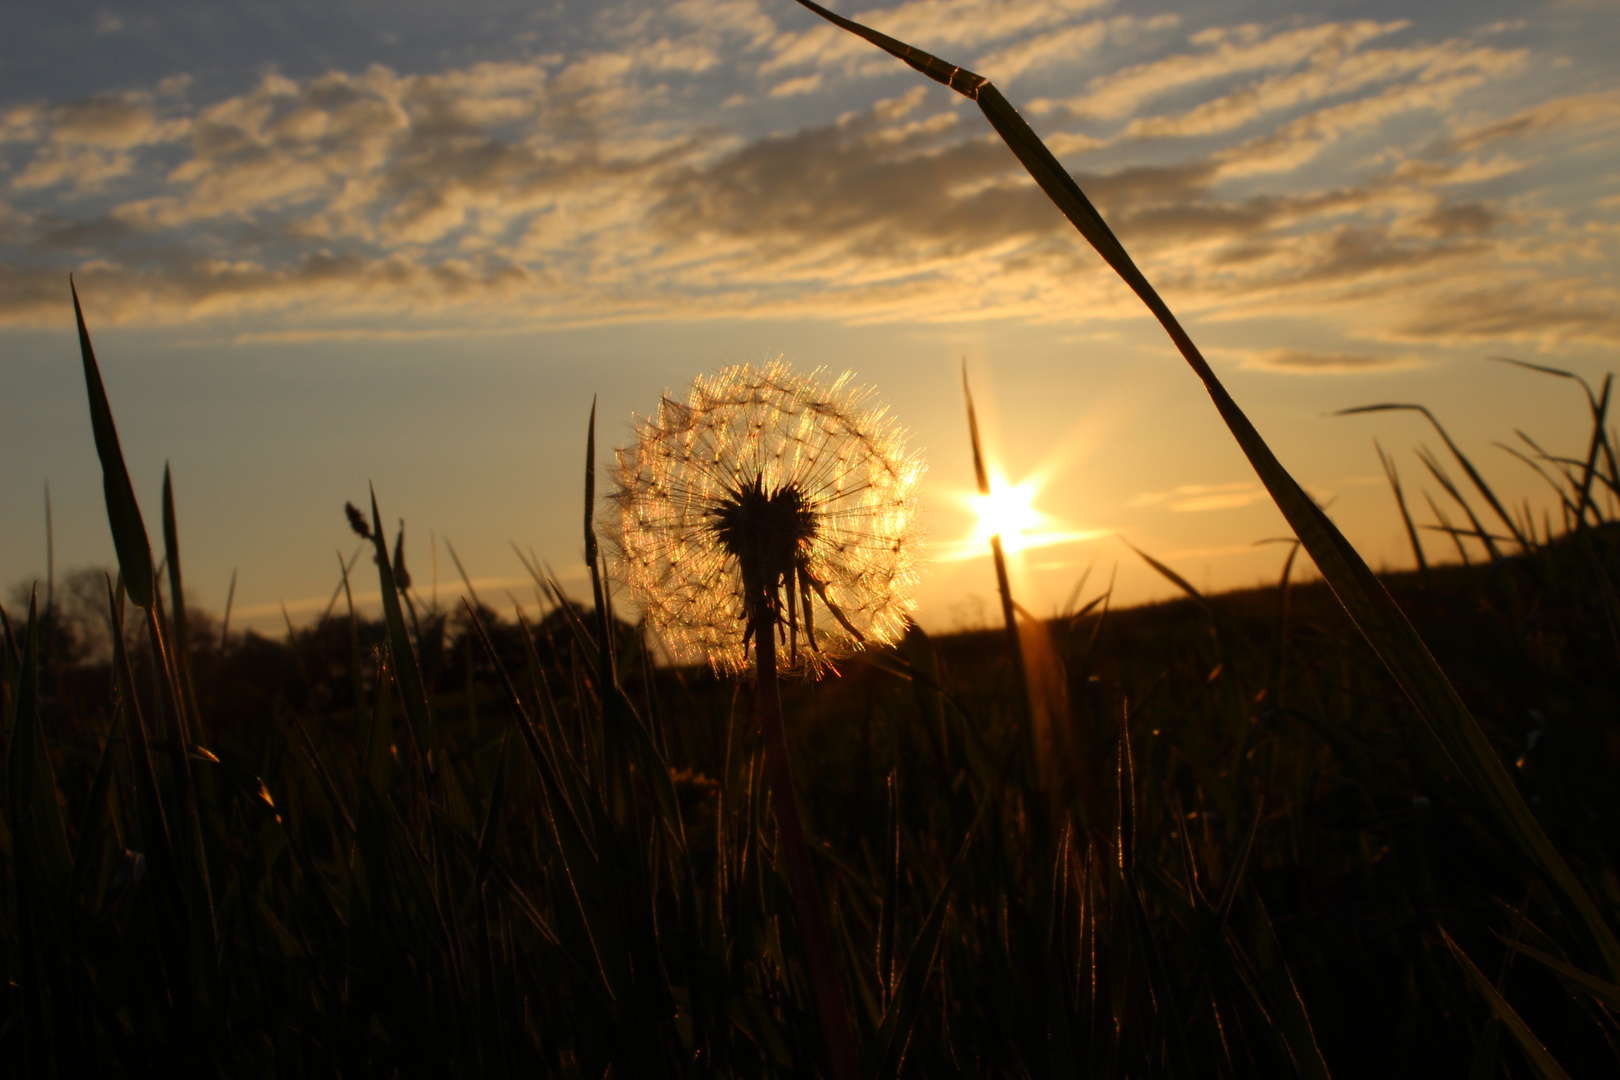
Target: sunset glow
{"x": 1009, "y": 512}
{"x": 416, "y": 254}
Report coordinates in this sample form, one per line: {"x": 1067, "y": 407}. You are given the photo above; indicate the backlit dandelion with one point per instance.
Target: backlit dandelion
{"x": 761, "y": 508}
{"x": 762, "y": 493}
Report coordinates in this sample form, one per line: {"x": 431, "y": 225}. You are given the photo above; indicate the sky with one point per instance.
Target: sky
{"x": 406, "y": 245}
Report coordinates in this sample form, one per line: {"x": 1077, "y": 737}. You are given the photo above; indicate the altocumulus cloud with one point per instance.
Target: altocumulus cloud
{"x": 1353, "y": 169}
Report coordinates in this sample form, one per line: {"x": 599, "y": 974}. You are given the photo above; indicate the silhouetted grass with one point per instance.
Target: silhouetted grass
{"x": 1357, "y": 826}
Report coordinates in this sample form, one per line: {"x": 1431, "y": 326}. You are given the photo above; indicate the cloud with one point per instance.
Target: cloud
{"x": 803, "y": 84}
{"x": 933, "y": 25}
{"x": 597, "y": 185}
{"x": 111, "y": 121}
{"x": 1307, "y": 362}
{"x": 1068, "y": 45}
{"x": 1220, "y": 53}
{"x": 1599, "y": 111}
{"x": 1196, "y": 498}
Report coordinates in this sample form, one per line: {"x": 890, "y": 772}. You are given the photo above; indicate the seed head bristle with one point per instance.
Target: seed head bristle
{"x": 761, "y": 483}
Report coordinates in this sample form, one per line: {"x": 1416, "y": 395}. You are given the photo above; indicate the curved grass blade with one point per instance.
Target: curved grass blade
{"x": 1605, "y": 991}
{"x": 1406, "y": 515}
{"x": 123, "y": 512}
{"x": 1220, "y": 916}
{"x": 1600, "y": 434}
{"x": 1443, "y": 478}
{"x": 1292, "y": 1021}
{"x": 1540, "y": 1060}
{"x": 1462, "y": 459}
{"x": 1364, "y": 598}
{"x": 1173, "y": 578}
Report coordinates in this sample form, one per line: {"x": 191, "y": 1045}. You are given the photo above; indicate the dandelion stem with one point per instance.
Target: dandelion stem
{"x": 841, "y": 1055}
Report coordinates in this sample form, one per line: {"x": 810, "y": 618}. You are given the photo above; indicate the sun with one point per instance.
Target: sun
{"x": 1008, "y": 511}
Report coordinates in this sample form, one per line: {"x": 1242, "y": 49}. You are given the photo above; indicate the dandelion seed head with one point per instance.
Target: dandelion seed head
{"x": 759, "y": 467}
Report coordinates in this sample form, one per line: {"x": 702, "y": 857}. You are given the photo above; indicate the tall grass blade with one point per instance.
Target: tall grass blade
{"x": 1009, "y": 614}
{"x": 1601, "y": 435}
{"x": 604, "y": 629}
{"x": 406, "y": 672}
{"x": 1365, "y": 600}
{"x": 35, "y": 813}
{"x": 21, "y": 780}
{"x": 123, "y": 513}
{"x": 50, "y": 559}
{"x": 492, "y": 819}
{"x": 581, "y": 868}
{"x": 1601, "y": 989}
{"x": 1293, "y": 1022}
{"x": 1173, "y": 578}
{"x": 889, "y": 908}
{"x": 1540, "y": 1059}
{"x": 194, "y": 865}
{"x": 1394, "y": 479}
{"x": 1563, "y": 497}
{"x": 1446, "y": 527}
{"x": 225, "y": 621}
{"x": 1220, "y": 916}
{"x": 1443, "y": 478}
{"x": 465, "y": 580}
{"x": 1462, "y": 459}
{"x": 90, "y": 834}
{"x": 177, "y": 604}
{"x": 887, "y": 1054}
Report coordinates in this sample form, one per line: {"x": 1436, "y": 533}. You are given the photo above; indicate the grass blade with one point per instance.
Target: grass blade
{"x": 1406, "y": 515}
{"x": 1293, "y": 1022}
{"x": 1540, "y": 1059}
{"x": 406, "y": 672}
{"x": 177, "y": 604}
{"x": 888, "y": 1050}
{"x": 123, "y": 512}
{"x": 21, "y": 778}
{"x": 1174, "y": 578}
{"x": 1009, "y": 616}
{"x": 95, "y": 806}
{"x": 30, "y": 780}
{"x": 1605, "y": 991}
{"x": 582, "y": 870}
{"x": 492, "y": 820}
{"x": 1443, "y": 478}
{"x": 1462, "y": 459}
{"x": 225, "y": 622}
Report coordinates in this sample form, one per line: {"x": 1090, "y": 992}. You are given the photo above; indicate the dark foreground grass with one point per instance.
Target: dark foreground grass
{"x": 1242, "y": 862}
